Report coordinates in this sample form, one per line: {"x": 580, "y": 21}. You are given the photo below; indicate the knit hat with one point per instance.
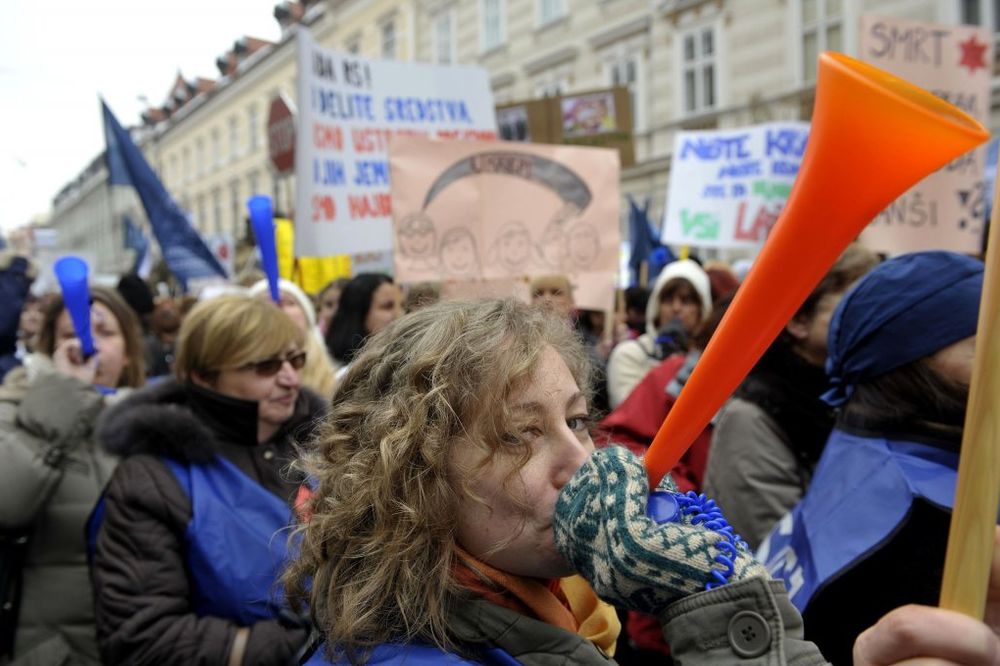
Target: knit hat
{"x": 134, "y": 290}
{"x": 293, "y": 290}
{"x": 905, "y": 309}
{"x": 690, "y": 271}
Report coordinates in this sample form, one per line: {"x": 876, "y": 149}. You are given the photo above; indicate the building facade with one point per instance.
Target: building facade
{"x": 688, "y": 64}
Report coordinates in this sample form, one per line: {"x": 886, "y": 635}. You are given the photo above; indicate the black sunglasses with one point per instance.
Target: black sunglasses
{"x": 272, "y": 366}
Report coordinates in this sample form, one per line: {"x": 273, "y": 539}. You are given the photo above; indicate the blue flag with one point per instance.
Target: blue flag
{"x": 185, "y": 252}
{"x": 646, "y": 246}
{"x": 135, "y": 240}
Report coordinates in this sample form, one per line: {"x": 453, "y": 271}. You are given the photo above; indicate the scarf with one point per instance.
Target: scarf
{"x": 568, "y": 603}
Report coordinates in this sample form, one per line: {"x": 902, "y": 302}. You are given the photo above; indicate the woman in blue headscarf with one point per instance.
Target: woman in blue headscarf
{"x": 874, "y": 523}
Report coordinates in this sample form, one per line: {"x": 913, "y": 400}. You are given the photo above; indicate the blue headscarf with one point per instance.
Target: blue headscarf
{"x": 905, "y": 309}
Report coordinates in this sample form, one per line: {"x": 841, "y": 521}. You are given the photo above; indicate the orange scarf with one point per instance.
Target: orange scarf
{"x": 568, "y": 603}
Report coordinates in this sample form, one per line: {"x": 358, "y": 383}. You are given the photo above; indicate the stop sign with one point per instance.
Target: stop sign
{"x": 281, "y": 135}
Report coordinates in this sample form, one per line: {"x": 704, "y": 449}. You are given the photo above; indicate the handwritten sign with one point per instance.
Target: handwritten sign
{"x": 349, "y": 108}
{"x": 474, "y": 211}
{"x": 728, "y": 186}
{"x": 946, "y": 210}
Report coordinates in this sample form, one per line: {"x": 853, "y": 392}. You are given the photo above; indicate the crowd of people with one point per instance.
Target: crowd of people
{"x": 375, "y": 474}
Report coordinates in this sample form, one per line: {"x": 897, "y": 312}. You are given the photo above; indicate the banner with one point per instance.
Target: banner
{"x": 468, "y": 211}
{"x": 349, "y": 108}
{"x": 947, "y": 209}
{"x": 183, "y": 249}
{"x": 728, "y": 186}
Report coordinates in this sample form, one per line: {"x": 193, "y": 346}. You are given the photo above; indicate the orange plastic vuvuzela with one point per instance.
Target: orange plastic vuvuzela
{"x": 873, "y": 137}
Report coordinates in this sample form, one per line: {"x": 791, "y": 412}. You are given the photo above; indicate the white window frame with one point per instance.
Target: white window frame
{"x": 449, "y": 16}
{"x": 234, "y": 138}
{"x": 484, "y": 46}
{"x": 253, "y": 131}
{"x": 235, "y": 204}
{"x": 987, "y": 17}
{"x": 199, "y": 156}
{"x": 849, "y": 18}
{"x": 681, "y": 67}
{"x": 559, "y": 12}
{"x": 216, "y": 139}
{"x": 389, "y": 50}
{"x": 622, "y": 55}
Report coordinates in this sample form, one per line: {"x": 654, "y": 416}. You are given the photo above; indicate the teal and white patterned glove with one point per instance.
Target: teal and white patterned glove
{"x": 602, "y": 528}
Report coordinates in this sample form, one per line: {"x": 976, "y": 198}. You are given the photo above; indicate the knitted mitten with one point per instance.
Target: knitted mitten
{"x": 602, "y": 529}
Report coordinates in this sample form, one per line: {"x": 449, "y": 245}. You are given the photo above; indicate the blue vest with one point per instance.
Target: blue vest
{"x": 862, "y": 490}
{"x": 391, "y": 654}
{"x": 235, "y": 544}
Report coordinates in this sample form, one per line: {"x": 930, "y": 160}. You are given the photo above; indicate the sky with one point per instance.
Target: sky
{"x": 57, "y": 57}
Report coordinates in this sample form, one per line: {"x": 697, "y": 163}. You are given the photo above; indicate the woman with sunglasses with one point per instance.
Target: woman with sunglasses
{"x": 188, "y": 540}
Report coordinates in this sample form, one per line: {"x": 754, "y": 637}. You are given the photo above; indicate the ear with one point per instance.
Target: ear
{"x": 798, "y": 327}
{"x": 201, "y": 380}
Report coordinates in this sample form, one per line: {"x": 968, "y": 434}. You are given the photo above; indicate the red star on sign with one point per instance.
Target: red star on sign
{"x": 972, "y": 54}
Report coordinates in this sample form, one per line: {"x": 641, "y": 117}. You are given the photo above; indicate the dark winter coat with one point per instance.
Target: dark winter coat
{"x": 142, "y": 586}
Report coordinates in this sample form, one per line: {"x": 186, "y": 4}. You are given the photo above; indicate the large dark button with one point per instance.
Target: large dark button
{"x": 749, "y": 635}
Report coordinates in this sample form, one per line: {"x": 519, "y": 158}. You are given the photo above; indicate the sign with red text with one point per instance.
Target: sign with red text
{"x": 349, "y": 108}
{"x": 947, "y": 209}
{"x": 496, "y": 213}
{"x": 728, "y": 186}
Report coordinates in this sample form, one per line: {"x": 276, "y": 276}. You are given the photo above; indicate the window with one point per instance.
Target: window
{"x": 493, "y": 30}
{"x": 202, "y": 220}
{"x": 389, "y": 40}
{"x": 444, "y": 38}
{"x": 698, "y": 68}
{"x": 216, "y": 147}
{"x": 185, "y": 165}
{"x": 353, "y": 44}
{"x": 984, "y": 13}
{"x": 253, "y": 123}
{"x": 627, "y": 71}
{"x": 253, "y": 182}
{"x": 235, "y": 205}
{"x": 547, "y": 11}
{"x": 199, "y": 156}
{"x": 234, "y": 137}
{"x": 822, "y": 30}
{"x": 216, "y": 210}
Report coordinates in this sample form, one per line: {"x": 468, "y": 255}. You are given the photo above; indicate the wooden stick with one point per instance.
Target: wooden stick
{"x": 643, "y": 276}
{"x": 974, "y": 518}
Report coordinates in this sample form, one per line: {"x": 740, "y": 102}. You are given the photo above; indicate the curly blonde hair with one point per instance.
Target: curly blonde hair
{"x": 375, "y": 556}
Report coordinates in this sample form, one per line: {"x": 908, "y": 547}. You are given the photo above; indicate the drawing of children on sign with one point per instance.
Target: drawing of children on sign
{"x": 513, "y": 249}
{"x": 416, "y": 238}
{"x": 459, "y": 256}
{"x": 583, "y": 245}
{"x": 554, "y": 243}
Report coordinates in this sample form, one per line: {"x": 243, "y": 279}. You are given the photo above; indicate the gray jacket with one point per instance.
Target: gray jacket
{"x": 750, "y": 623}
{"x": 752, "y": 470}
{"x": 50, "y": 479}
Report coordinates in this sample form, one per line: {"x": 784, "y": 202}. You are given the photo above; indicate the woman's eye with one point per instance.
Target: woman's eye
{"x": 577, "y": 423}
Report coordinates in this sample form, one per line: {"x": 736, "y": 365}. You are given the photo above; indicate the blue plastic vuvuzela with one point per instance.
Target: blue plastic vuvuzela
{"x": 72, "y": 275}
{"x": 262, "y": 221}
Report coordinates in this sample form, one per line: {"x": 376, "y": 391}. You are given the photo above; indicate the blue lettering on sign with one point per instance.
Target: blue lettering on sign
{"x": 740, "y": 170}
{"x": 328, "y": 172}
{"x": 731, "y": 148}
{"x": 785, "y": 142}
{"x": 739, "y": 190}
{"x": 371, "y": 173}
{"x": 714, "y": 192}
{"x": 415, "y": 110}
{"x": 783, "y": 168}
{"x": 344, "y": 106}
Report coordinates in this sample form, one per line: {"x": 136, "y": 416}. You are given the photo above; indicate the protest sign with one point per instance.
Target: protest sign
{"x": 469, "y": 211}
{"x": 728, "y": 186}
{"x": 946, "y": 210}
{"x": 349, "y": 107}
